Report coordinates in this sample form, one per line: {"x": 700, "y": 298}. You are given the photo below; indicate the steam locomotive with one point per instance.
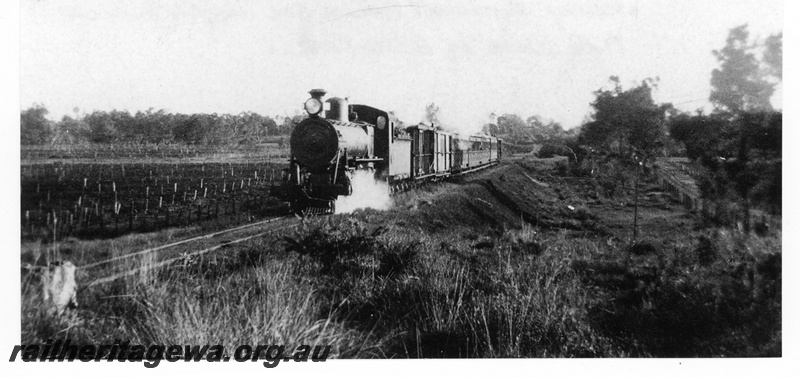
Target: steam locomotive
{"x": 338, "y": 139}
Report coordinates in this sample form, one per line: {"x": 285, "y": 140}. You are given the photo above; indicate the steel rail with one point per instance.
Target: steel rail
{"x": 160, "y": 264}
{"x": 201, "y": 237}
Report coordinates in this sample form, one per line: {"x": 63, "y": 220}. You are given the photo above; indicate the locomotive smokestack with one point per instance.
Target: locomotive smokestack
{"x": 317, "y": 93}
{"x": 339, "y": 109}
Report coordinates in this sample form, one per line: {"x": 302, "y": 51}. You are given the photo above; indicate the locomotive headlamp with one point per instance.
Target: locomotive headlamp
{"x": 313, "y": 106}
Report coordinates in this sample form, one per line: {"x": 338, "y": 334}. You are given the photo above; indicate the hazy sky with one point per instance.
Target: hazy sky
{"x": 470, "y": 58}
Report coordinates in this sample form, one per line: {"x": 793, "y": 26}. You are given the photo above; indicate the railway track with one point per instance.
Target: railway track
{"x": 167, "y": 254}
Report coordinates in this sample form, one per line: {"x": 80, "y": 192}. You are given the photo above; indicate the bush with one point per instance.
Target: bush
{"x": 721, "y": 300}
{"x": 350, "y": 249}
{"x": 549, "y": 150}
{"x": 336, "y": 249}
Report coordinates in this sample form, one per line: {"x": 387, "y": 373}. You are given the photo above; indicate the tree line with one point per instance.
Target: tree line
{"x": 154, "y": 127}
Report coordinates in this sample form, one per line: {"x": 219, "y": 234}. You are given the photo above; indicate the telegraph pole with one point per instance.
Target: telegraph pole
{"x": 639, "y": 163}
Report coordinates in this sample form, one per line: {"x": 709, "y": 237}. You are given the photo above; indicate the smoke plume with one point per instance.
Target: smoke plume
{"x": 367, "y": 193}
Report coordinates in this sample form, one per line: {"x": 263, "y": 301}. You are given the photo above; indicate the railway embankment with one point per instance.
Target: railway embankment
{"x": 536, "y": 192}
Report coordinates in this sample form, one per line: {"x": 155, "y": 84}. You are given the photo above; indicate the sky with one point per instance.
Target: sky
{"x": 469, "y": 58}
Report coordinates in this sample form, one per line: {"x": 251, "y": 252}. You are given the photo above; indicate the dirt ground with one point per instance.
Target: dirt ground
{"x": 531, "y": 190}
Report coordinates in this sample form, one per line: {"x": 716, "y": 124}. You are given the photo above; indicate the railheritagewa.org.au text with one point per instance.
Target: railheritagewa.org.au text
{"x": 152, "y": 355}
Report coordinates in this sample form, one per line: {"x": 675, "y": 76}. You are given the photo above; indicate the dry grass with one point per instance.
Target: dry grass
{"x": 227, "y": 300}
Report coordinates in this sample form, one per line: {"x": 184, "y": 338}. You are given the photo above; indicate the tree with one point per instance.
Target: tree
{"x": 741, "y": 82}
{"x": 287, "y": 126}
{"x": 34, "y": 127}
{"x": 252, "y": 128}
{"x": 773, "y": 55}
{"x": 102, "y": 128}
{"x": 70, "y": 131}
{"x": 750, "y": 155}
{"x": 753, "y": 163}
{"x": 625, "y": 120}
{"x": 545, "y": 131}
{"x": 189, "y": 129}
{"x": 701, "y": 135}
{"x": 270, "y": 126}
{"x": 149, "y": 126}
{"x": 535, "y": 129}
{"x": 510, "y": 126}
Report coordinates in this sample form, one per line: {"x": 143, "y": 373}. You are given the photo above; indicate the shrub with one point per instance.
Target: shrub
{"x": 549, "y": 150}
{"x": 721, "y": 300}
{"x": 345, "y": 251}
{"x": 336, "y": 248}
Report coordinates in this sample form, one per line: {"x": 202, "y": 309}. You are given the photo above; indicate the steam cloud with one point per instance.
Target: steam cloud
{"x": 367, "y": 193}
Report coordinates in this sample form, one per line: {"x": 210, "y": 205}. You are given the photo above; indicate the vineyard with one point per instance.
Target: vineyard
{"x": 103, "y": 192}
{"x": 273, "y": 148}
